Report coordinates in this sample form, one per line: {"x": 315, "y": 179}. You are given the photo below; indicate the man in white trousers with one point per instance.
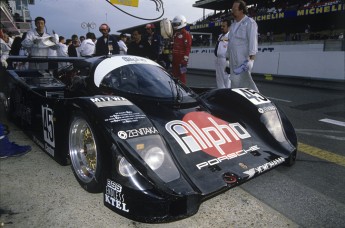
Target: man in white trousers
{"x": 222, "y": 77}
{"x": 243, "y": 46}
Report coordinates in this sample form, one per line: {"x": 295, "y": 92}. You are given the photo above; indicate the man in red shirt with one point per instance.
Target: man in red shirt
{"x": 181, "y": 48}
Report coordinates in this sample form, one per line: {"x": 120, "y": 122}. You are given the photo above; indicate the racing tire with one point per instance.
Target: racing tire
{"x": 87, "y": 161}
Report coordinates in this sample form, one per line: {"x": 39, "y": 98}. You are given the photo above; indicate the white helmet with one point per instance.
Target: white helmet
{"x": 179, "y": 22}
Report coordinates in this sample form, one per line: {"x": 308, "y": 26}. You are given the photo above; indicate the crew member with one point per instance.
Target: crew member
{"x": 106, "y": 44}
{"x": 222, "y": 77}
{"x": 38, "y": 43}
{"x": 181, "y": 48}
{"x": 242, "y": 47}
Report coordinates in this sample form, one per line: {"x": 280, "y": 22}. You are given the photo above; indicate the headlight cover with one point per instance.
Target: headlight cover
{"x": 125, "y": 168}
{"x": 153, "y": 151}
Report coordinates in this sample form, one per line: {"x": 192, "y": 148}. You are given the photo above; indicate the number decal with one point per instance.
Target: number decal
{"x": 48, "y": 126}
{"x": 252, "y": 95}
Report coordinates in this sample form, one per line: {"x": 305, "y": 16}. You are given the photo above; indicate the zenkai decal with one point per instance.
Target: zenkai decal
{"x": 200, "y": 131}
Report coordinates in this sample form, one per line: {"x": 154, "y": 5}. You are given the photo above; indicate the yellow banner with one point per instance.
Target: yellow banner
{"x": 133, "y": 3}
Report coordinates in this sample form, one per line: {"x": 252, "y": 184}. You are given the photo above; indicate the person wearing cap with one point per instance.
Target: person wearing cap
{"x": 181, "y": 48}
{"x": 122, "y": 44}
{"x": 38, "y": 42}
{"x": 155, "y": 41}
{"x": 106, "y": 44}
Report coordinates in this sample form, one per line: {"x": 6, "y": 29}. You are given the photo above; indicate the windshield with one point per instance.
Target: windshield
{"x": 143, "y": 79}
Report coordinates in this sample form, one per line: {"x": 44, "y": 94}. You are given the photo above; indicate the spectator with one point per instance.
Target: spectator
{"x": 138, "y": 46}
{"x": 222, "y": 77}
{"x": 87, "y": 47}
{"x": 62, "y": 51}
{"x": 242, "y": 47}
{"x": 155, "y": 41}
{"x": 106, "y": 44}
{"x": 38, "y": 43}
{"x": 5, "y": 49}
{"x": 73, "y": 49}
{"x": 81, "y": 39}
{"x": 122, "y": 44}
{"x": 68, "y": 42}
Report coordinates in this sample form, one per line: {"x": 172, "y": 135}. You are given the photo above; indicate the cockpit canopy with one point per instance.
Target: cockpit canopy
{"x": 136, "y": 75}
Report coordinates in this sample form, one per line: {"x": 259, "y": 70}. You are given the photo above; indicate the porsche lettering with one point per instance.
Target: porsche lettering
{"x": 226, "y": 157}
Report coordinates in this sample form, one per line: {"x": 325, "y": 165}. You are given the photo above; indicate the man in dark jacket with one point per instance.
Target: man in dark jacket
{"x": 138, "y": 46}
{"x": 155, "y": 41}
{"x": 106, "y": 44}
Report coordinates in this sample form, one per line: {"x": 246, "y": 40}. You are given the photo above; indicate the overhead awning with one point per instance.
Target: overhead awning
{"x": 7, "y": 20}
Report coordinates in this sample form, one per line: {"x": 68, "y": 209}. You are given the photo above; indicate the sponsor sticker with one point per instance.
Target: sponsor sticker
{"x": 137, "y": 132}
{"x": 266, "y": 109}
{"x": 262, "y": 168}
{"x": 114, "y": 196}
{"x": 110, "y": 101}
{"x": 125, "y": 117}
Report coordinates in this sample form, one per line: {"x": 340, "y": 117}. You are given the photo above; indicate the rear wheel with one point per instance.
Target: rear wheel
{"x": 85, "y": 153}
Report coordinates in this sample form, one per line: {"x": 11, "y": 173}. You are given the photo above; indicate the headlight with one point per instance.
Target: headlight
{"x": 155, "y": 154}
{"x": 125, "y": 168}
{"x": 154, "y": 157}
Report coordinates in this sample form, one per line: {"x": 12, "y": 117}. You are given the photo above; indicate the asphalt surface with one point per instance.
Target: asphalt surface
{"x": 35, "y": 191}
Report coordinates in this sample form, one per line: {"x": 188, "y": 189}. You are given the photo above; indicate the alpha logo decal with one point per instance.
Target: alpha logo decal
{"x": 200, "y": 131}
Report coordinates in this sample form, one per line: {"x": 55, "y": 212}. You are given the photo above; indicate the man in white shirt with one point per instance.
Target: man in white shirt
{"x": 222, "y": 77}
{"x": 87, "y": 47}
{"x": 38, "y": 43}
{"x": 242, "y": 47}
{"x": 62, "y": 51}
{"x": 122, "y": 44}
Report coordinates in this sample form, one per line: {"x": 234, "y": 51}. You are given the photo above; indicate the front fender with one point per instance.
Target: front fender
{"x": 254, "y": 111}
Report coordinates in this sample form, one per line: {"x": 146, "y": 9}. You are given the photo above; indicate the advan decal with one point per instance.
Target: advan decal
{"x": 200, "y": 131}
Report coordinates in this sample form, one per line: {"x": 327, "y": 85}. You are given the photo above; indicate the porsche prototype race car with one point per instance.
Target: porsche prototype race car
{"x": 153, "y": 146}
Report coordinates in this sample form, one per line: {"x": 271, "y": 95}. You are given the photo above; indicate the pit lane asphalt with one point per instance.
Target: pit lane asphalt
{"x": 37, "y": 192}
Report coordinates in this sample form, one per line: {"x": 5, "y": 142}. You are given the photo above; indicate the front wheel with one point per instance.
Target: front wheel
{"x": 86, "y": 158}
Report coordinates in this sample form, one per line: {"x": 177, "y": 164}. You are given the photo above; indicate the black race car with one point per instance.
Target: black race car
{"x": 155, "y": 148}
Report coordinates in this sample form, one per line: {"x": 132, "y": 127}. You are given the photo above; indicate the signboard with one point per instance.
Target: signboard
{"x": 133, "y": 3}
